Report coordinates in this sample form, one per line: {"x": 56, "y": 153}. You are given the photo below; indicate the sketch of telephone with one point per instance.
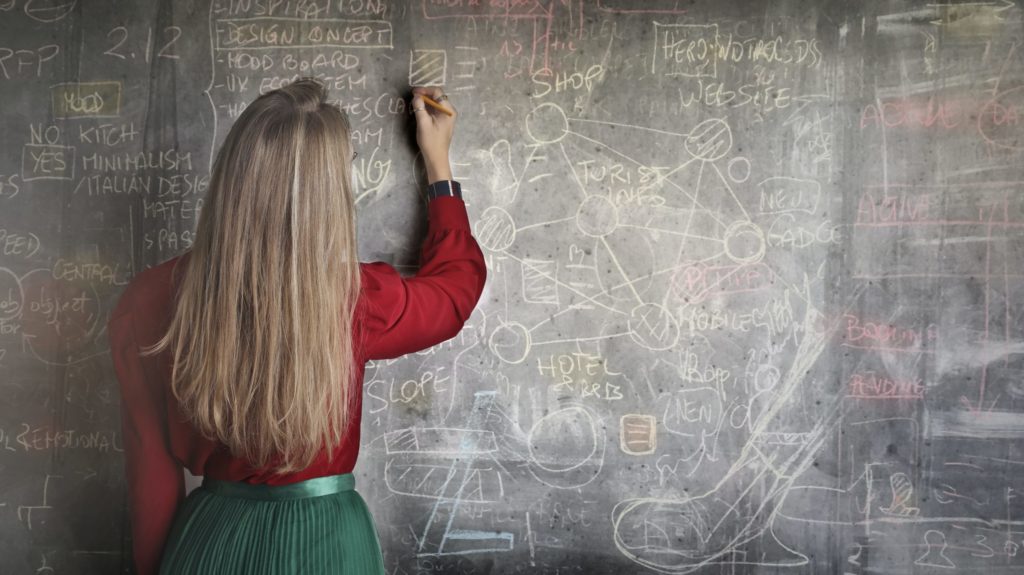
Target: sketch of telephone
{"x": 684, "y": 535}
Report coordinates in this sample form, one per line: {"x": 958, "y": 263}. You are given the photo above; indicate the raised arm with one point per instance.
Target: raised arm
{"x": 410, "y": 314}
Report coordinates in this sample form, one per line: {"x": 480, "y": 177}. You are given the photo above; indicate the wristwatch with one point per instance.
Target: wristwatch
{"x": 444, "y": 188}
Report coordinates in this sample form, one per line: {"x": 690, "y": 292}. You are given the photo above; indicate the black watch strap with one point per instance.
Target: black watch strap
{"x": 444, "y": 188}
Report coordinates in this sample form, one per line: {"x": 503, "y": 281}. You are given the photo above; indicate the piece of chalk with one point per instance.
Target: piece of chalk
{"x": 430, "y": 102}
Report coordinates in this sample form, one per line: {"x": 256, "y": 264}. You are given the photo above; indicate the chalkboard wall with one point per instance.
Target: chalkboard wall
{"x": 754, "y": 302}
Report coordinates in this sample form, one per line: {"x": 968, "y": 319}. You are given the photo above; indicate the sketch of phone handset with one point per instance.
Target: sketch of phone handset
{"x": 682, "y": 536}
{"x": 687, "y": 534}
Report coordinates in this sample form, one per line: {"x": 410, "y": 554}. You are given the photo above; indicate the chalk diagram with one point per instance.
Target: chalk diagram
{"x": 602, "y": 277}
{"x": 619, "y": 270}
{"x": 686, "y": 534}
{"x": 457, "y": 467}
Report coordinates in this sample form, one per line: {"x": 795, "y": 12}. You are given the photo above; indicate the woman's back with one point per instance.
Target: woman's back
{"x": 390, "y": 316}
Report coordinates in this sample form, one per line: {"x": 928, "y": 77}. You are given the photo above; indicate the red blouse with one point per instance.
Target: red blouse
{"x": 396, "y": 315}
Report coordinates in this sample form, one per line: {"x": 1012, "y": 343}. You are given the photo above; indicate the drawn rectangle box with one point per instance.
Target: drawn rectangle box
{"x": 86, "y": 99}
{"x": 465, "y": 541}
{"x": 688, "y": 50}
{"x": 429, "y": 477}
{"x": 47, "y": 162}
{"x": 638, "y": 434}
{"x": 440, "y": 441}
{"x": 427, "y": 67}
{"x": 273, "y": 33}
{"x": 540, "y": 281}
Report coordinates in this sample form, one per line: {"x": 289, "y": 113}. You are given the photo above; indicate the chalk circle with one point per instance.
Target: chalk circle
{"x": 48, "y": 10}
{"x": 12, "y": 297}
{"x": 597, "y": 216}
{"x": 710, "y": 140}
{"x": 744, "y": 242}
{"x": 495, "y": 229}
{"x": 653, "y": 327}
{"x": 547, "y": 124}
{"x": 999, "y": 118}
{"x": 510, "y": 342}
{"x": 686, "y": 538}
{"x": 685, "y": 551}
{"x": 58, "y": 337}
{"x": 688, "y": 282}
{"x": 766, "y": 377}
{"x": 563, "y": 440}
{"x": 738, "y": 170}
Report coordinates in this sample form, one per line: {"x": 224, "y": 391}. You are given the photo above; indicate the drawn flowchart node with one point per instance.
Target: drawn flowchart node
{"x": 428, "y": 67}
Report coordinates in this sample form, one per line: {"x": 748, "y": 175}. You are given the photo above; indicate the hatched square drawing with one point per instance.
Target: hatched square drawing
{"x": 540, "y": 281}
{"x": 427, "y": 67}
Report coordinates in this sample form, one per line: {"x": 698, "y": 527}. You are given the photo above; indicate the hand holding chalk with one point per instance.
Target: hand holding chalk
{"x": 435, "y": 124}
{"x": 435, "y": 105}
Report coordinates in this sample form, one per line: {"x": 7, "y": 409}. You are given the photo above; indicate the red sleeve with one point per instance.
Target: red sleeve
{"x": 410, "y": 314}
{"x": 156, "y": 482}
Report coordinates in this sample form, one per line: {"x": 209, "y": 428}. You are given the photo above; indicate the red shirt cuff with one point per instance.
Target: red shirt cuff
{"x": 447, "y": 212}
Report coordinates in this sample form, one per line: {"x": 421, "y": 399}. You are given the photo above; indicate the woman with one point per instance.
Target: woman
{"x": 243, "y": 358}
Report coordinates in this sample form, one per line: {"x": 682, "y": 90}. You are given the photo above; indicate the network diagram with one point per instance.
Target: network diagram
{"x": 598, "y": 249}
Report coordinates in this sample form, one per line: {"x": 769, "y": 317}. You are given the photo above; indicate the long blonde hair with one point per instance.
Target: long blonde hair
{"x": 262, "y": 329}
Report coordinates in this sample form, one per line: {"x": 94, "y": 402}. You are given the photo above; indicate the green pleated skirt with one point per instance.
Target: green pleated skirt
{"x": 317, "y": 526}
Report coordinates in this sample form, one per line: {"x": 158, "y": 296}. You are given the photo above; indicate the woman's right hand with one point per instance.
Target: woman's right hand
{"x": 434, "y": 131}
